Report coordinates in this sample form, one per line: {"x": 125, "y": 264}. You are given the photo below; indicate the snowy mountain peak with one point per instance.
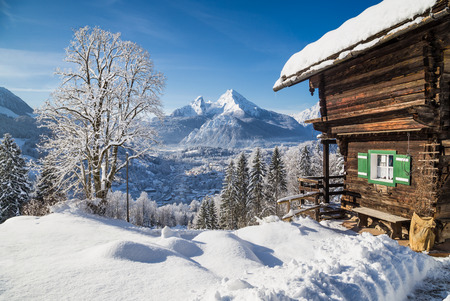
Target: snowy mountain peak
{"x": 311, "y": 113}
{"x": 234, "y": 103}
{"x": 196, "y": 107}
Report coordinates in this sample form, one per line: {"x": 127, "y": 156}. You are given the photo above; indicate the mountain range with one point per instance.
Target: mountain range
{"x": 231, "y": 121}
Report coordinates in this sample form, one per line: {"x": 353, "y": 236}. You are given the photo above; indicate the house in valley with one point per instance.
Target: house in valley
{"x": 383, "y": 80}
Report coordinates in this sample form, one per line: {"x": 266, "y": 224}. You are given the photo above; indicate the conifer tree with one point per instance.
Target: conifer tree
{"x": 212, "y": 215}
{"x": 45, "y": 192}
{"x": 14, "y": 182}
{"x": 242, "y": 186}
{"x": 276, "y": 180}
{"x": 228, "y": 200}
{"x": 256, "y": 188}
{"x": 305, "y": 163}
{"x": 202, "y": 215}
{"x": 317, "y": 160}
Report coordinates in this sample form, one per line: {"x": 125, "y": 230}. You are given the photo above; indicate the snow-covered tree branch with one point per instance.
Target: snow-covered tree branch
{"x": 98, "y": 109}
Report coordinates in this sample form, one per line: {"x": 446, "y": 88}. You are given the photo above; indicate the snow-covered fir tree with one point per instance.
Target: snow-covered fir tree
{"x": 227, "y": 217}
{"x": 293, "y": 157}
{"x": 256, "y": 188}
{"x": 213, "y": 222}
{"x": 242, "y": 190}
{"x": 305, "y": 163}
{"x": 317, "y": 159}
{"x": 45, "y": 192}
{"x": 202, "y": 215}
{"x": 276, "y": 182}
{"x": 336, "y": 163}
{"x": 14, "y": 183}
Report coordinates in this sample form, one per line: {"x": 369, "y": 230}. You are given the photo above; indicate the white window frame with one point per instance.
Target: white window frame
{"x": 376, "y": 170}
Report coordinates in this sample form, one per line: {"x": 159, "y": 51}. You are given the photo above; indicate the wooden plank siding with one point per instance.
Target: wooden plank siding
{"x": 401, "y": 200}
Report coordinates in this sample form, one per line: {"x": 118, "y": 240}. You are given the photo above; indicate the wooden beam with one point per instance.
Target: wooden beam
{"x": 377, "y": 132}
{"x": 375, "y": 111}
{"x": 398, "y": 124}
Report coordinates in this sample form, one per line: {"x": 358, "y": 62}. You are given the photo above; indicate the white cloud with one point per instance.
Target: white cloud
{"x": 28, "y": 64}
{"x": 31, "y": 90}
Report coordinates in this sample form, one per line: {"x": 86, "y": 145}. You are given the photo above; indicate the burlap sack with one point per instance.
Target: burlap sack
{"x": 421, "y": 235}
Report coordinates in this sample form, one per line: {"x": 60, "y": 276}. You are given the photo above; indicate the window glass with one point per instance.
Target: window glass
{"x": 384, "y": 167}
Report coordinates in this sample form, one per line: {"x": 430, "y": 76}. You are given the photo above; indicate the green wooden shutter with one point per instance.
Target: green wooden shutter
{"x": 402, "y": 169}
{"x": 362, "y": 165}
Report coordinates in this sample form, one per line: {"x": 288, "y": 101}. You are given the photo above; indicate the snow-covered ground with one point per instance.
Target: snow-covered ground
{"x": 70, "y": 255}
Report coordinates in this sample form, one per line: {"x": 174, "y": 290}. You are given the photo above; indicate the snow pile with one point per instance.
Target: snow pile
{"x": 70, "y": 255}
{"x": 353, "y": 32}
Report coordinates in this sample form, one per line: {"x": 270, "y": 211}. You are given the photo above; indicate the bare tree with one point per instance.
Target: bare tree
{"x": 98, "y": 109}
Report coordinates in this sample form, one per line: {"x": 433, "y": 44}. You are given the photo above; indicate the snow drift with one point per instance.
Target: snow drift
{"x": 71, "y": 255}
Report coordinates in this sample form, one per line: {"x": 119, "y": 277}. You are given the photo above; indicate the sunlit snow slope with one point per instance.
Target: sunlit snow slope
{"x": 70, "y": 255}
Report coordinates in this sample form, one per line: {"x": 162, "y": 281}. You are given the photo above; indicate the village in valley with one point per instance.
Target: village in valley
{"x": 108, "y": 194}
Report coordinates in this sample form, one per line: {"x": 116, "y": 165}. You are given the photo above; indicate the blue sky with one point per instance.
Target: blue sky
{"x": 202, "y": 47}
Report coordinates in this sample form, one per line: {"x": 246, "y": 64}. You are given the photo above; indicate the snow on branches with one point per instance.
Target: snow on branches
{"x": 98, "y": 110}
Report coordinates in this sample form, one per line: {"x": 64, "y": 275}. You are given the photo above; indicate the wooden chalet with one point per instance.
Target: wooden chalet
{"x": 385, "y": 101}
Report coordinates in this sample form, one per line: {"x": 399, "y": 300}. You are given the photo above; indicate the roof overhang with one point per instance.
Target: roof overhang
{"x": 359, "y": 48}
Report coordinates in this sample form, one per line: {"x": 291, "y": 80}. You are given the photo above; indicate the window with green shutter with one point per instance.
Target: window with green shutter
{"x": 384, "y": 167}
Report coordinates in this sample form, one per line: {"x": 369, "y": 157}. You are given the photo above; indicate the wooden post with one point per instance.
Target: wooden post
{"x": 317, "y": 210}
{"x": 326, "y": 171}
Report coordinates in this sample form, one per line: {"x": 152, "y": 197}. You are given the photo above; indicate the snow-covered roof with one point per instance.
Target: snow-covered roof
{"x": 355, "y": 36}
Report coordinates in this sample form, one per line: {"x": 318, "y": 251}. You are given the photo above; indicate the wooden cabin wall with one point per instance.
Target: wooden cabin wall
{"x": 401, "y": 200}
{"x": 386, "y": 76}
